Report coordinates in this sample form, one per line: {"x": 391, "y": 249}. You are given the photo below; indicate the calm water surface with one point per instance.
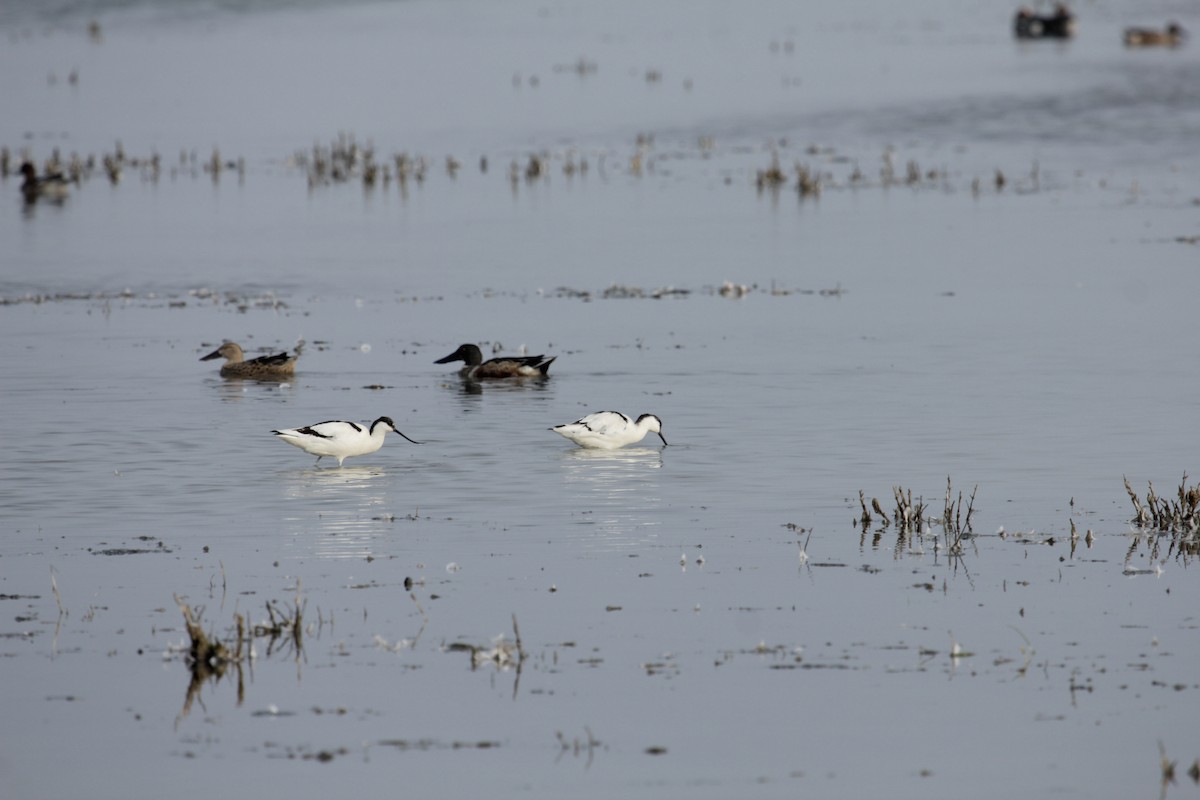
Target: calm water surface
{"x": 1032, "y": 343}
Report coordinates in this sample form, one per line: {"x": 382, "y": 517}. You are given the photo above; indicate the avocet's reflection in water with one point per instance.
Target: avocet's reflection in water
{"x": 617, "y": 491}
{"x": 348, "y": 508}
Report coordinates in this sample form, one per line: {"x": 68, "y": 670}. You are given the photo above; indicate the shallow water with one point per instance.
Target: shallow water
{"x": 1031, "y": 343}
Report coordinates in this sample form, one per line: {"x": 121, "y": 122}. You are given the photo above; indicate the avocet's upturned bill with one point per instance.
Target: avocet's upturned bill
{"x": 475, "y": 368}
{"x": 338, "y": 439}
{"x": 608, "y": 430}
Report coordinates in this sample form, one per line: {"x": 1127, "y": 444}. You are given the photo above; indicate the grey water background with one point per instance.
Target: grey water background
{"x": 1035, "y": 341}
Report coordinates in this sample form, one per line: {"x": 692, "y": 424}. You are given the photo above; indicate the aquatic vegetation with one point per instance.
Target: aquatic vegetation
{"x": 536, "y": 167}
{"x": 913, "y": 515}
{"x": 772, "y": 177}
{"x": 579, "y": 747}
{"x": 209, "y": 658}
{"x": 78, "y": 169}
{"x": 1178, "y": 515}
{"x": 433, "y": 744}
{"x": 914, "y": 521}
{"x": 1167, "y": 527}
{"x": 345, "y": 160}
{"x": 619, "y": 291}
{"x": 808, "y": 180}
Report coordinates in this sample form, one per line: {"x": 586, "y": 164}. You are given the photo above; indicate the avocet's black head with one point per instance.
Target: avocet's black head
{"x": 468, "y": 353}
{"x": 654, "y": 424}
{"x": 391, "y": 425}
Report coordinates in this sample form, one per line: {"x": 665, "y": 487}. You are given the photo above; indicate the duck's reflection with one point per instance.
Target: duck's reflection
{"x": 469, "y": 387}
{"x": 235, "y": 390}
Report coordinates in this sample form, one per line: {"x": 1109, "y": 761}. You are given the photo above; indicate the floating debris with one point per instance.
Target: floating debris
{"x": 736, "y": 290}
{"x": 956, "y": 649}
{"x": 578, "y": 747}
{"x": 581, "y": 67}
{"x": 501, "y": 653}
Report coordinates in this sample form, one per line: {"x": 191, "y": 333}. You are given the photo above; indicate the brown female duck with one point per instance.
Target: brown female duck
{"x": 1173, "y": 36}
{"x": 264, "y": 368}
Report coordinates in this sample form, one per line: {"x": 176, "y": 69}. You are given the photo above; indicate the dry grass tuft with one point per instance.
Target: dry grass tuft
{"x": 210, "y": 659}
{"x": 1180, "y": 514}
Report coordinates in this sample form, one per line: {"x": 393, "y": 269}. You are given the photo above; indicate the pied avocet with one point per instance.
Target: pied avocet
{"x": 339, "y": 439}
{"x": 608, "y": 430}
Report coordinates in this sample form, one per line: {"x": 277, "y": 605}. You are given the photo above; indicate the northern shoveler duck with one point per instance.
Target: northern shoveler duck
{"x": 608, "y": 430}
{"x": 502, "y": 367}
{"x": 264, "y": 368}
{"x": 52, "y": 187}
{"x": 1058, "y": 25}
{"x": 1173, "y": 36}
{"x": 339, "y": 439}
